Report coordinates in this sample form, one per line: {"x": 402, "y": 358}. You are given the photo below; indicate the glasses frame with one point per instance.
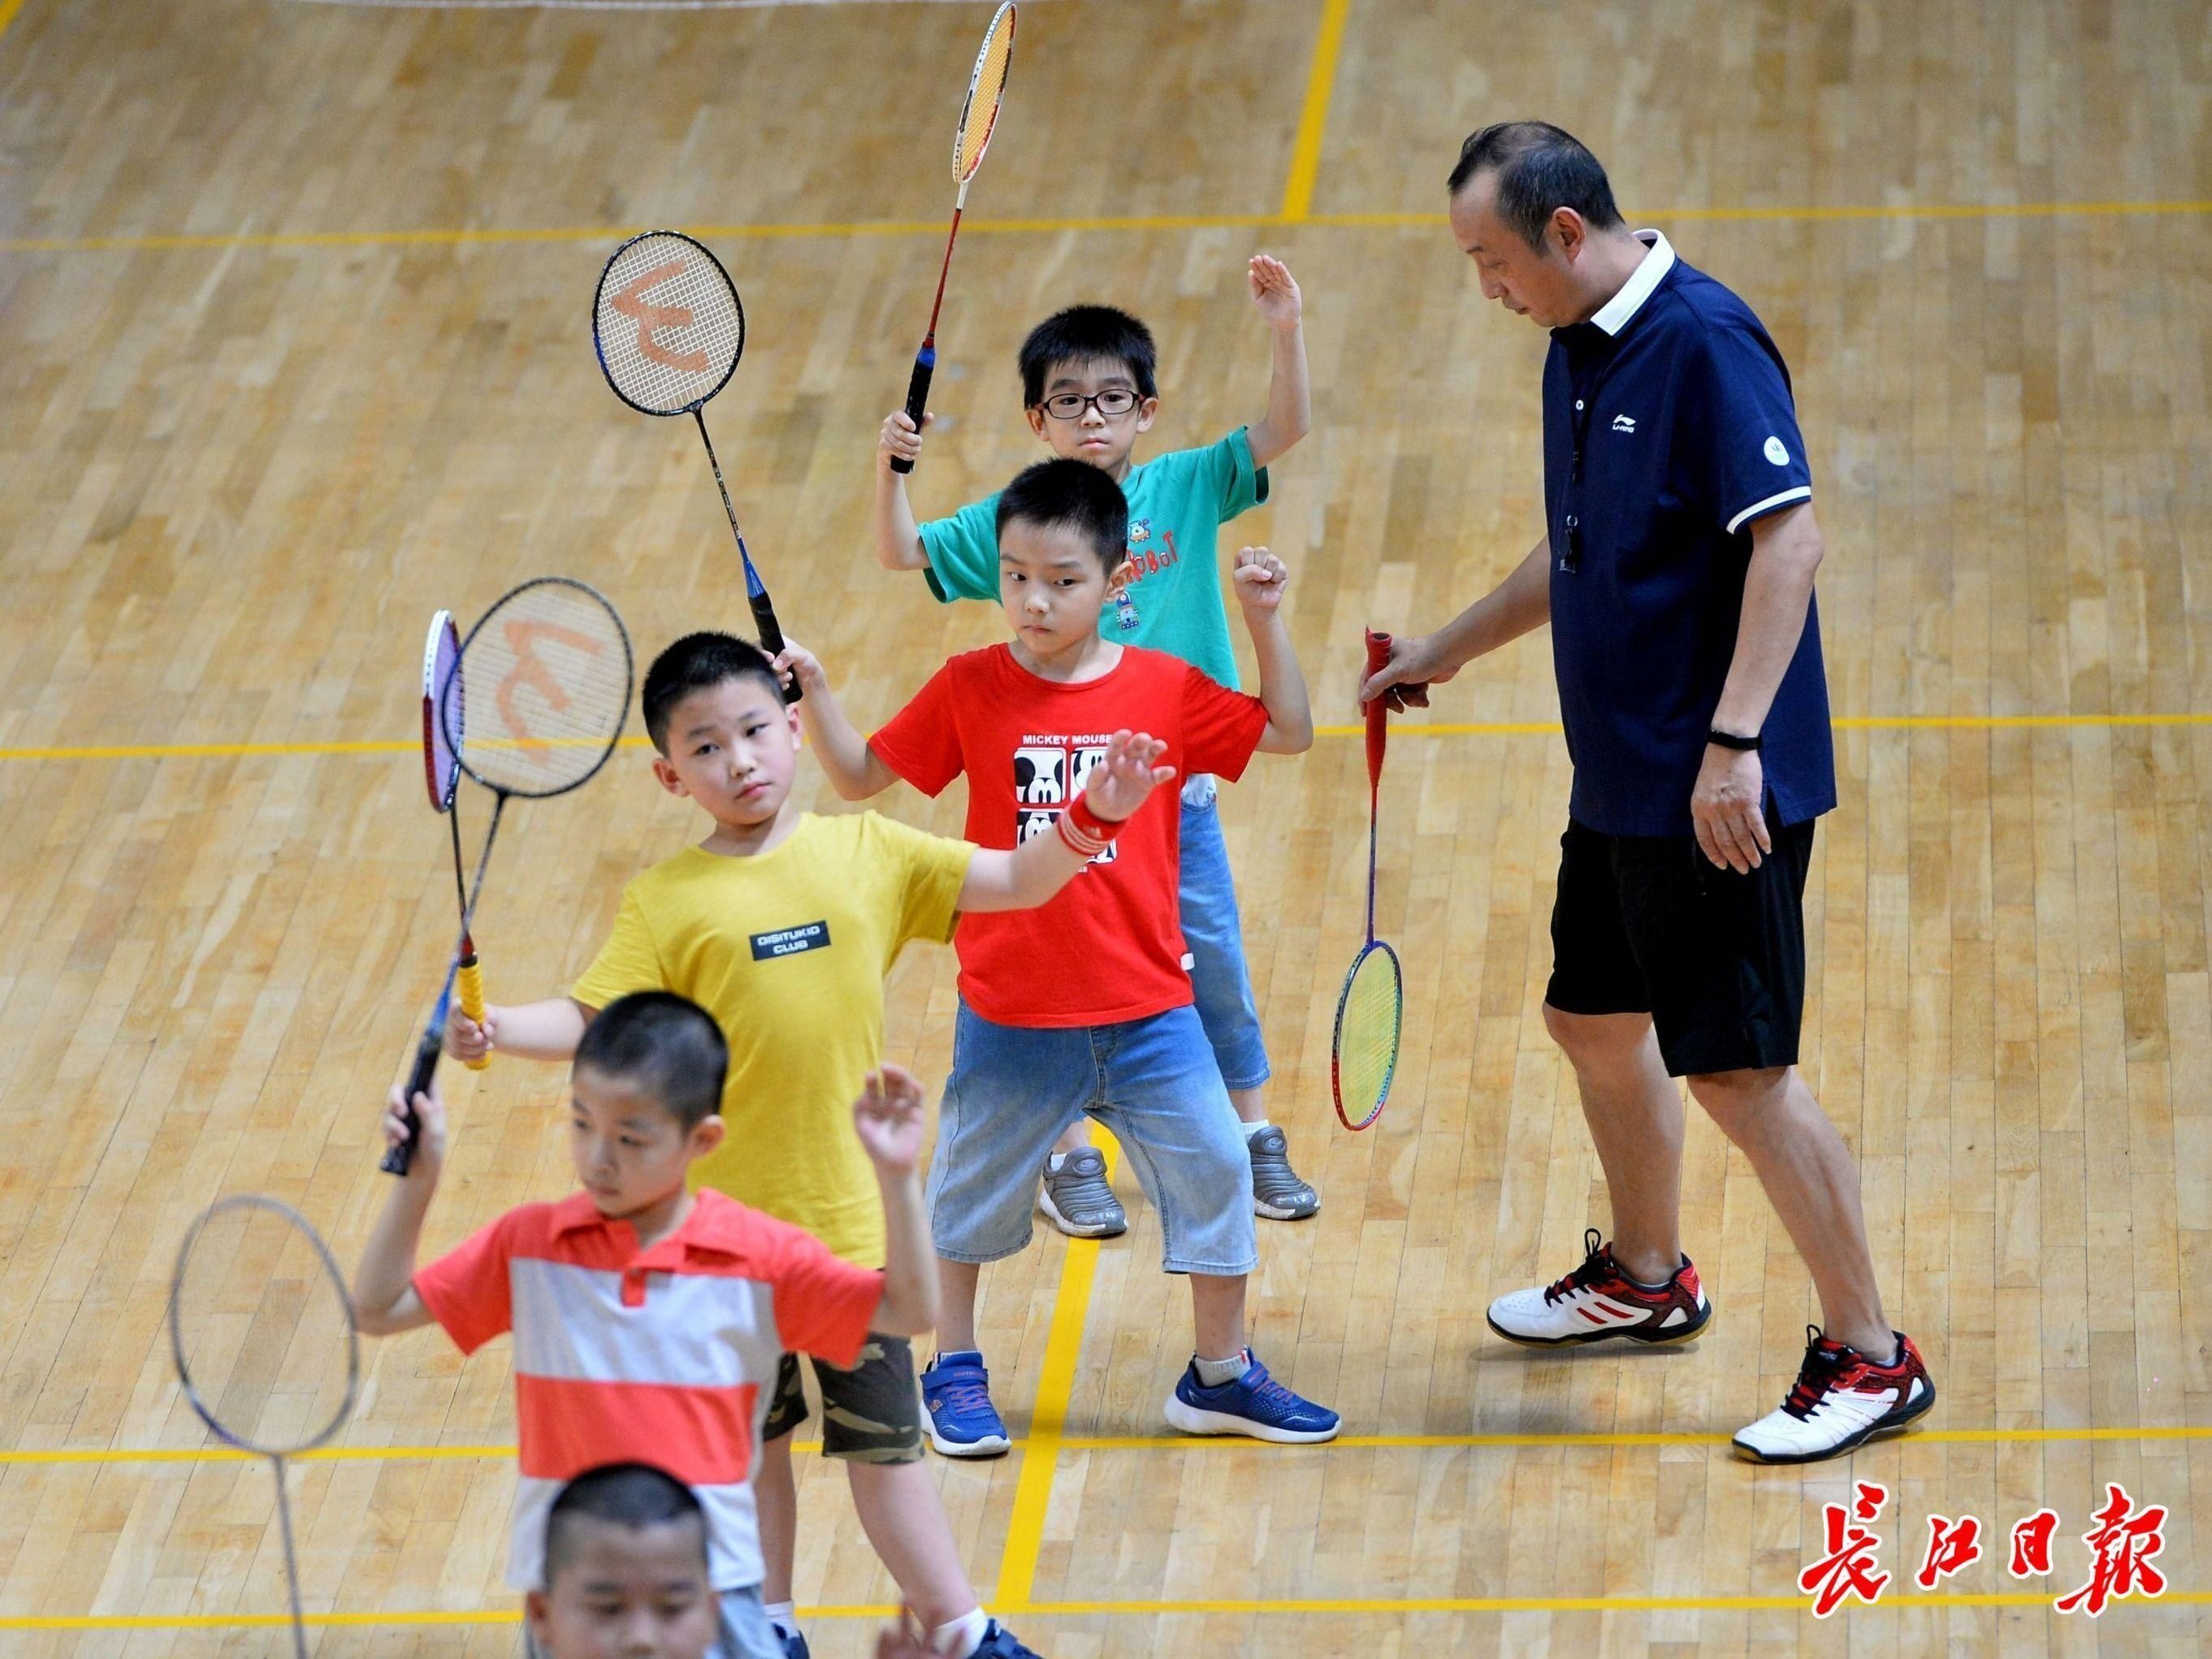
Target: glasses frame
{"x": 1091, "y": 401}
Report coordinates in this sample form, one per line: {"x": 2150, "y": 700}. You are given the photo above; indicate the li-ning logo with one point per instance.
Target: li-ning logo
{"x": 1624, "y": 423}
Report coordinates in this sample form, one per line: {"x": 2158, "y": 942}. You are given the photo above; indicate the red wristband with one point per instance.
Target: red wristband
{"x": 1091, "y": 826}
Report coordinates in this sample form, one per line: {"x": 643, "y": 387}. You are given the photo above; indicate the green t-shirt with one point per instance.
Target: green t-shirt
{"x": 1177, "y": 502}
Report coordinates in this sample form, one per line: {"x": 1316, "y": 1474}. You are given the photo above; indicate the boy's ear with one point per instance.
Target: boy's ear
{"x": 1146, "y": 412}
{"x": 706, "y": 1135}
{"x": 667, "y": 775}
{"x": 1035, "y": 417}
{"x": 1120, "y": 576}
{"x": 537, "y": 1614}
{"x": 798, "y": 732}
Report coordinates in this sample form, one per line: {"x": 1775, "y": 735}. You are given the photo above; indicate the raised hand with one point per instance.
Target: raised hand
{"x": 466, "y": 1039}
{"x": 888, "y": 1119}
{"x": 899, "y": 438}
{"x": 1275, "y": 293}
{"x": 428, "y": 1133}
{"x": 796, "y": 660}
{"x": 1260, "y": 578}
{"x": 1118, "y": 785}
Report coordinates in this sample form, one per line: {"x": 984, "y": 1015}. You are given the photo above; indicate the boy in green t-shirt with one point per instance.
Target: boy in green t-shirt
{"x": 1089, "y": 390}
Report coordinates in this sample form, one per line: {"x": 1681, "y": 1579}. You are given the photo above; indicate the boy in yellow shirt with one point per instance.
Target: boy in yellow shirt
{"x": 783, "y": 925}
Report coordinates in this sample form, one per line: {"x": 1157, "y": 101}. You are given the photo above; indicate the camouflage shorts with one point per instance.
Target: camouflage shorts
{"x": 870, "y": 1414}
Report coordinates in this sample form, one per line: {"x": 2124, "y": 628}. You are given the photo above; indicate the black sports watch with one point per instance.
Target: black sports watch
{"x": 1730, "y": 740}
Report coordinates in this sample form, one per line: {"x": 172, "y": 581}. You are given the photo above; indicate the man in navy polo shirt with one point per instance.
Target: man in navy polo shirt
{"x": 1676, "y": 572}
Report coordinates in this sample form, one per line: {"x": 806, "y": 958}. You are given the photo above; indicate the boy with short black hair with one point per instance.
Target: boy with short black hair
{"x": 784, "y": 925}
{"x": 1089, "y": 390}
{"x": 1084, "y": 1007}
{"x": 626, "y": 1574}
{"x": 648, "y": 1322}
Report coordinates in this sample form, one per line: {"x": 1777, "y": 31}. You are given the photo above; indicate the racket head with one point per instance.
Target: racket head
{"x": 441, "y": 663}
{"x": 1363, "y": 1054}
{"x": 551, "y": 664}
{"x": 261, "y": 1328}
{"x": 666, "y": 322}
{"x": 987, "y": 86}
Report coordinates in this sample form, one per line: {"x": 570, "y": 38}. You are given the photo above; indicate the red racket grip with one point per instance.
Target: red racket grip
{"x": 1378, "y": 712}
{"x": 917, "y": 396}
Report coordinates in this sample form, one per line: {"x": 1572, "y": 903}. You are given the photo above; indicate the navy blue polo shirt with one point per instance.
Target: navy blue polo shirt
{"x": 1668, "y": 430}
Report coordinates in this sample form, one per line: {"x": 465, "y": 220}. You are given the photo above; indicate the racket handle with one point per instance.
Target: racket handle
{"x": 397, "y": 1160}
{"x": 917, "y": 397}
{"x": 1378, "y": 711}
{"x": 771, "y": 637}
{"x": 470, "y": 982}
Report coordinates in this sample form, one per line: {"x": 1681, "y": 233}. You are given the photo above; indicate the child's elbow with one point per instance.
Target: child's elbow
{"x": 1289, "y": 739}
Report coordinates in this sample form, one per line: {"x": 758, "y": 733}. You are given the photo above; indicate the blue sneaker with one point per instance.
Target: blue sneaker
{"x": 962, "y": 1421}
{"x": 794, "y": 1644}
{"x": 1000, "y": 1642}
{"x": 1255, "y": 1404}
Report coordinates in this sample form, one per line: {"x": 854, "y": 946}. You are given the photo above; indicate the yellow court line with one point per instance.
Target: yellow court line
{"x": 1039, "y": 1452}
{"x": 1061, "y": 1345}
{"x": 465, "y": 236}
{"x": 8, "y": 10}
{"x": 1304, "y": 1607}
{"x": 1404, "y": 729}
{"x": 1313, "y": 115}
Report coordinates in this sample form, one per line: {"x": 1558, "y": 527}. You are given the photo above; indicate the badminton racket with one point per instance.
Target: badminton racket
{"x": 987, "y": 86}
{"x": 441, "y": 663}
{"x": 551, "y": 664}
{"x": 669, "y": 329}
{"x": 262, "y": 1334}
{"x": 1370, "y": 1010}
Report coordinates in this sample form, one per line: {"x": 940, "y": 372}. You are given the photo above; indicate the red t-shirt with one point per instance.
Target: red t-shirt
{"x": 1109, "y": 947}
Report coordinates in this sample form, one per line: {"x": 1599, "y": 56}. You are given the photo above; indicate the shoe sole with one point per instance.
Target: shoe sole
{"x": 1192, "y": 1420}
{"x": 1896, "y": 1423}
{"x": 1047, "y": 1208}
{"x": 1661, "y": 1338}
{"x": 990, "y": 1446}
{"x": 1268, "y": 1212}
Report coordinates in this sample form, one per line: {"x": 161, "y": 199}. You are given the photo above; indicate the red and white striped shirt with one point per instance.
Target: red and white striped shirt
{"x": 665, "y": 1356}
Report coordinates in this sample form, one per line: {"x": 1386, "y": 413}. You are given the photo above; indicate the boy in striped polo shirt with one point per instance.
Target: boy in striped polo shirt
{"x": 649, "y": 1321}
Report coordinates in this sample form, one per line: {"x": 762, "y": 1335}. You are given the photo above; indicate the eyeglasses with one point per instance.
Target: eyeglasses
{"x": 1070, "y": 405}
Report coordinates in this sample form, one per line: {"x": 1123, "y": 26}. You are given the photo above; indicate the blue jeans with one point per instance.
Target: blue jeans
{"x": 1152, "y": 1082}
{"x": 1219, "y": 978}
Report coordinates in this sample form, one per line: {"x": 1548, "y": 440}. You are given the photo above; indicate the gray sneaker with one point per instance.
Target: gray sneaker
{"x": 1075, "y": 1199}
{"x": 1277, "y": 1191}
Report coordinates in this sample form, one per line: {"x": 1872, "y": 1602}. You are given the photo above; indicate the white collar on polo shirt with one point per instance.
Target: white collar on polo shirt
{"x": 1612, "y": 316}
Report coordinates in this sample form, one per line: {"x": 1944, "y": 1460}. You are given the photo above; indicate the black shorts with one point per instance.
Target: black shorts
{"x": 870, "y": 1414}
{"x": 1647, "y": 925}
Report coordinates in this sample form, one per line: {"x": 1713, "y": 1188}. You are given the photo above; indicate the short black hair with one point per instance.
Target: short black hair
{"x": 666, "y": 1045}
{"x": 1088, "y": 334}
{"x": 634, "y": 1496}
{"x": 696, "y": 663}
{"x": 1541, "y": 169}
{"x": 1071, "y": 492}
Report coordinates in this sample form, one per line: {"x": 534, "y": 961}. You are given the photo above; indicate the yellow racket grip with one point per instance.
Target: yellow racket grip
{"x": 471, "y": 983}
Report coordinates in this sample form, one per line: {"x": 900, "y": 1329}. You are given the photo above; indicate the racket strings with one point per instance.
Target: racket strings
{"x": 262, "y": 1329}
{"x": 985, "y": 88}
{"x": 667, "y": 324}
{"x": 549, "y": 669}
{"x": 1368, "y": 1031}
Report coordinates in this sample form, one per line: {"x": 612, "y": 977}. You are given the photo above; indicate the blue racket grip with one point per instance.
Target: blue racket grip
{"x": 397, "y": 1159}
{"x": 917, "y": 397}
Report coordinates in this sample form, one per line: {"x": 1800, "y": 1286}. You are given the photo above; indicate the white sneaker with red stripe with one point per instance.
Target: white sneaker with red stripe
{"x": 1841, "y": 1400}
{"x": 1597, "y": 1301}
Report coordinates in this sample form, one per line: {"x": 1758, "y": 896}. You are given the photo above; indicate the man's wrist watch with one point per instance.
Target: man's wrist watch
{"x": 1730, "y": 740}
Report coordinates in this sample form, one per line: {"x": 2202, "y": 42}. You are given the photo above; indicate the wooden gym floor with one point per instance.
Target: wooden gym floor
{"x": 294, "y": 347}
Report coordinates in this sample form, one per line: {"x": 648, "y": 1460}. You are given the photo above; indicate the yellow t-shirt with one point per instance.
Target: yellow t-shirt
{"x": 789, "y": 952}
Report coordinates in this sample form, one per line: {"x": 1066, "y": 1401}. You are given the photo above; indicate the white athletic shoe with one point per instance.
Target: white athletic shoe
{"x": 1597, "y": 1301}
{"x": 1841, "y": 1399}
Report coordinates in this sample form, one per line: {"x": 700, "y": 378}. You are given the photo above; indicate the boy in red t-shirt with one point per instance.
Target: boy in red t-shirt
{"x": 1084, "y": 1005}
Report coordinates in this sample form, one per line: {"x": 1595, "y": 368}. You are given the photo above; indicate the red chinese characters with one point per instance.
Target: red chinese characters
{"x": 2121, "y": 1546}
{"x": 1953, "y": 1546}
{"x": 1850, "y": 1567}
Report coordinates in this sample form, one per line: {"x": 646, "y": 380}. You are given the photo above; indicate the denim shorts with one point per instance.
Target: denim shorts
{"x": 1152, "y": 1082}
{"x": 1215, "y": 939}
